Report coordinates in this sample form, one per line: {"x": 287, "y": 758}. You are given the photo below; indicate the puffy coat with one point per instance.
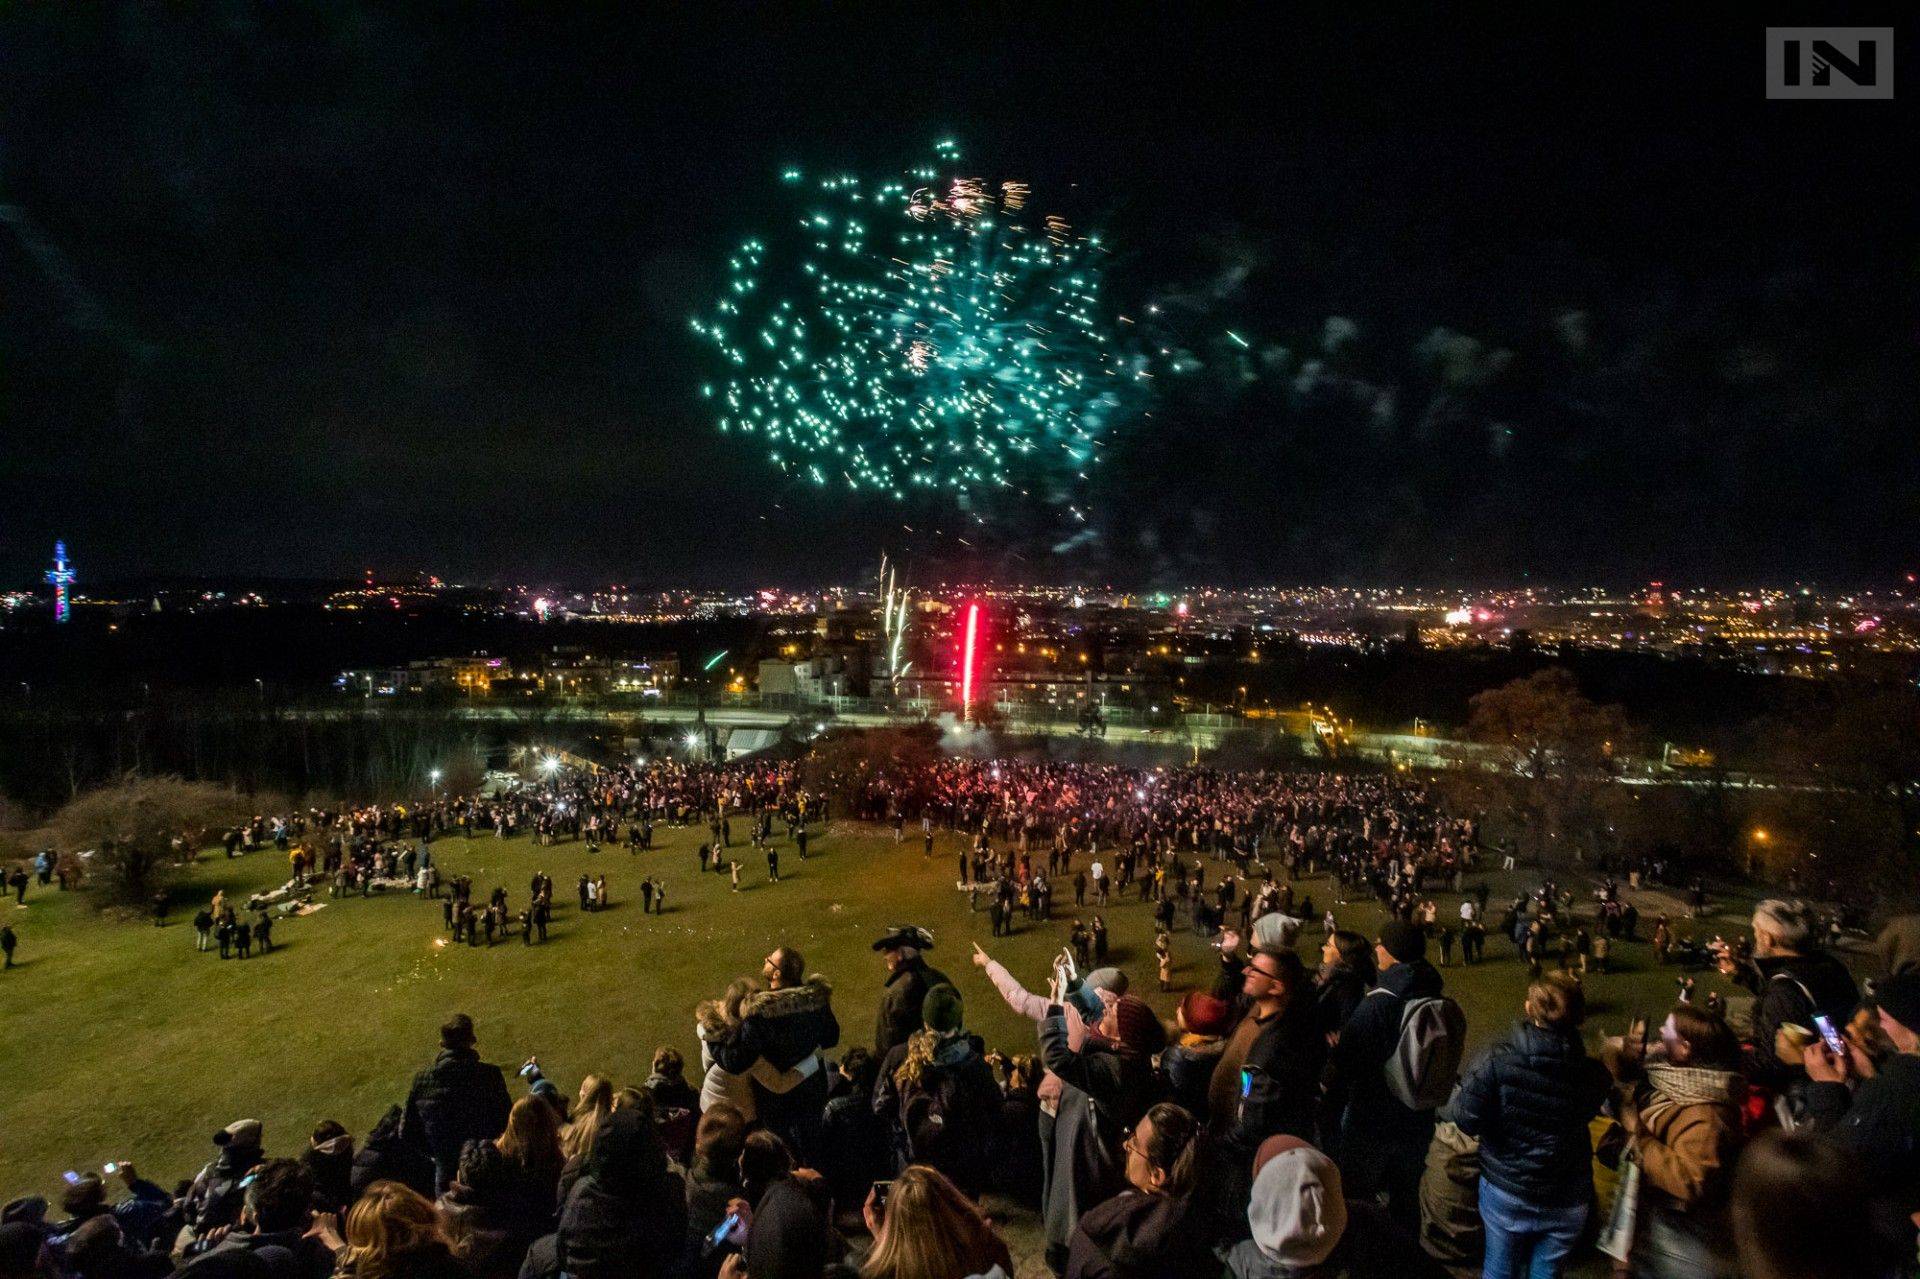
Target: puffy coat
{"x": 784, "y": 1027}
{"x": 457, "y": 1099}
{"x": 387, "y": 1157}
{"x": 1528, "y": 1101}
{"x": 1188, "y": 1069}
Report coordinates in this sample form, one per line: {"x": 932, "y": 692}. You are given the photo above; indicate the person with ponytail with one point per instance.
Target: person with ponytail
{"x": 1153, "y": 1227}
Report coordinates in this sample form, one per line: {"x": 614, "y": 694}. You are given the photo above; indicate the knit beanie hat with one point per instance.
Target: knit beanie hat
{"x": 942, "y": 1009}
{"x": 1403, "y": 941}
{"x": 1298, "y": 1211}
{"x": 1274, "y": 931}
{"x": 1204, "y": 1014}
{"x": 1137, "y": 1029}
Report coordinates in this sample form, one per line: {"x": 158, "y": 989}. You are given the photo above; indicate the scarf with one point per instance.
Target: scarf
{"x": 1675, "y": 1086}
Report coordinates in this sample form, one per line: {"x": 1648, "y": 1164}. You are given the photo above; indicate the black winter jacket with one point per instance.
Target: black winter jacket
{"x": 1337, "y": 996}
{"x": 1360, "y": 1060}
{"x": 946, "y": 1117}
{"x": 1529, "y": 1101}
{"x": 783, "y": 1026}
{"x": 906, "y": 991}
{"x": 387, "y": 1157}
{"x": 456, "y": 1100}
{"x": 1777, "y": 983}
{"x": 1282, "y": 1091}
{"x": 1880, "y": 1123}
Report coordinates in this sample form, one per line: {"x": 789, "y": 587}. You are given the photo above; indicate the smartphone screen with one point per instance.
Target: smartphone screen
{"x": 1246, "y": 1083}
{"x": 1835, "y": 1044}
{"x": 725, "y": 1228}
{"x": 881, "y": 1189}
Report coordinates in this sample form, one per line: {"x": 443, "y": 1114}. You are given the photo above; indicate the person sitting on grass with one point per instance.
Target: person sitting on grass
{"x": 927, "y": 1229}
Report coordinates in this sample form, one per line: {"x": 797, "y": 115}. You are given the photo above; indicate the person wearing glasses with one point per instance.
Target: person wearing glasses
{"x": 1267, "y": 1082}
{"x": 1151, "y": 1227}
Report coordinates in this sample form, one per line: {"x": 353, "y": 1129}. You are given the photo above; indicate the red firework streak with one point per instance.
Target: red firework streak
{"x": 966, "y": 663}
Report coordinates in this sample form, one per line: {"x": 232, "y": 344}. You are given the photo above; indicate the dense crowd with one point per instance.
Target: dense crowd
{"x": 1300, "y": 1118}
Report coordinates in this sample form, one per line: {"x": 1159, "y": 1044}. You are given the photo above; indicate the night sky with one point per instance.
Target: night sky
{"x": 305, "y": 288}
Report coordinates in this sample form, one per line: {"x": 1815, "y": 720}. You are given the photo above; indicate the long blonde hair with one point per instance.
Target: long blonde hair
{"x": 532, "y": 1138}
{"x": 932, "y": 1231}
{"x": 589, "y": 1112}
{"x": 388, "y": 1230}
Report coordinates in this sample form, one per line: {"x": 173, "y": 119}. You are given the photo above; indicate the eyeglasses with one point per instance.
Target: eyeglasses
{"x": 1132, "y": 1147}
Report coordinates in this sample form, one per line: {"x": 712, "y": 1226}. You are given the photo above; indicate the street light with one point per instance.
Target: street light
{"x": 433, "y": 779}
{"x": 550, "y": 765}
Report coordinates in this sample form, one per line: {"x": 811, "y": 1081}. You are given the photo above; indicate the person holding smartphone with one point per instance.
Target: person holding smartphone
{"x": 1684, "y": 1124}
{"x": 920, "y": 1221}
{"x": 1792, "y": 982}
{"x": 1873, "y": 1108}
{"x": 778, "y": 1226}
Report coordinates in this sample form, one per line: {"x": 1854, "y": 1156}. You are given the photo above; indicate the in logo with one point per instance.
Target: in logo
{"x": 1830, "y": 62}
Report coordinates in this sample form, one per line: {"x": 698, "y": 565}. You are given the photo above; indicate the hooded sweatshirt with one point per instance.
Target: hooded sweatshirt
{"x": 626, "y": 1216}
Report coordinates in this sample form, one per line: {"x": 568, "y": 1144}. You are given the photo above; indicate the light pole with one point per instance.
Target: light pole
{"x": 433, "y": 781}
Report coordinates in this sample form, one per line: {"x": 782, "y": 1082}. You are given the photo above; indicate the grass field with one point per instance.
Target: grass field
{"x": 120, "y": 1041}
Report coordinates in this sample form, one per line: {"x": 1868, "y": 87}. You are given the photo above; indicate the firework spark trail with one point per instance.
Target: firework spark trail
{"x": 920, "y": 333}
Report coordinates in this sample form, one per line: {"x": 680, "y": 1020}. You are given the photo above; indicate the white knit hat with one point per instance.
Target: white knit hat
{"x": 1298, "y": 1212}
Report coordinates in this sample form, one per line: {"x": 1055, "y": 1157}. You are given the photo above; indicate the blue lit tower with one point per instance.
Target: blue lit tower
{"x": 60, "y": 576}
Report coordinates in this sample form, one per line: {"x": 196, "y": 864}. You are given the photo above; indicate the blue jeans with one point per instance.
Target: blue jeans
{"x": 1525, "y": 1241}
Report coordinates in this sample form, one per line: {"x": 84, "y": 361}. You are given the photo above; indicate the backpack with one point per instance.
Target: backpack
{"x": 1425, "y": 1063}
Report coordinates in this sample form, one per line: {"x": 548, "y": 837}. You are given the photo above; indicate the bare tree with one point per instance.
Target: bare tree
{"x": 1544, "y": 757}
{"x": 130, "y": 827}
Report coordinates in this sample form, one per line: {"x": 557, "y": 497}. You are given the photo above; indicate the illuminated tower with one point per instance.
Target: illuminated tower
{"x": 60, "y": 576}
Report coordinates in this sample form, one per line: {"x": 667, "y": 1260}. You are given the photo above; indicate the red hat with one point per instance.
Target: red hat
{"x": 1205, "y": 1014}
{"x": 1137, "y": 1029}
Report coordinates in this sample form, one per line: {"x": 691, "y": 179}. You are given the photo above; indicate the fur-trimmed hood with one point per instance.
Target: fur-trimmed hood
{"x": 811, "y": 996}
{"x": 782, "y": 1027}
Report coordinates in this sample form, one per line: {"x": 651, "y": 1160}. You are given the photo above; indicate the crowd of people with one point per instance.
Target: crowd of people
{"x": 1305, "y": 1114}
{"x": 1294, "y": 1120}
